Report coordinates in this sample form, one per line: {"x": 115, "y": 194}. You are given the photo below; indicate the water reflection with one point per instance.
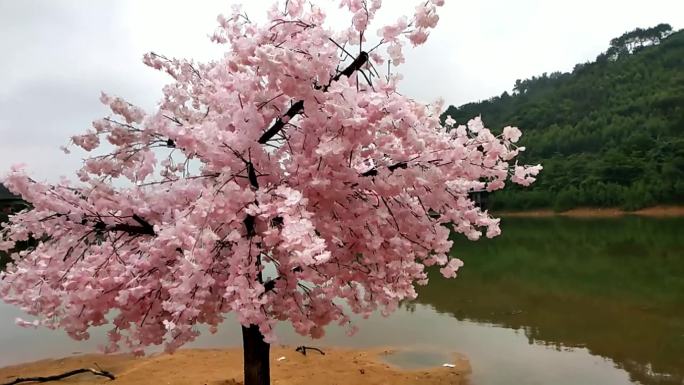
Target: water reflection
{"x": 613, "y": 286}
{"x": 418, "y": 359}
{"x": 553, "y": 301}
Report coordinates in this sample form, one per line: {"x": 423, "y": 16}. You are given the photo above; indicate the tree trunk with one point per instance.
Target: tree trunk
{"x": 256, "y": 355}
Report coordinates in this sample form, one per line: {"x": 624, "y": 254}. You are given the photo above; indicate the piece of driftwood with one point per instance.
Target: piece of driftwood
{"x": 58, "y": 377}
{"x": 302, "y": 349}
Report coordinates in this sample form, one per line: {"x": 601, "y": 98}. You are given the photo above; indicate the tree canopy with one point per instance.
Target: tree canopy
{"x": 609, "y": 133}
{"x": 274, "y": 183}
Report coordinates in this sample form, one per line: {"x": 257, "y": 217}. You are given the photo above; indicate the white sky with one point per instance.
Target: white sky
{"x": 57, "y": 55}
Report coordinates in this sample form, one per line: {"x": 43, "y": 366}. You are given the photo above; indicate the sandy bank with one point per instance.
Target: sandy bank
{"x": 224, "y": 367}
{"x": 657, "y": 211}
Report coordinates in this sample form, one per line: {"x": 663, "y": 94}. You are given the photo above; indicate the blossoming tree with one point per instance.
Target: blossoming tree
{"x": 292, "y": 152}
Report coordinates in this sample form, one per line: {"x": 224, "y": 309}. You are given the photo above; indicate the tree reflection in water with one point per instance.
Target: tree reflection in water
{"x": 612, "y": 286}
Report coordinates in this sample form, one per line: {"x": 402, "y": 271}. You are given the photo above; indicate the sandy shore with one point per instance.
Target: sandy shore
{"x": 224, "y": 367}
{"x": 657, "y": 211}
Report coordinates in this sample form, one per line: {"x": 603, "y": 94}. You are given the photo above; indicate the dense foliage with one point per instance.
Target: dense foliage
{"x": 608, "y": 134}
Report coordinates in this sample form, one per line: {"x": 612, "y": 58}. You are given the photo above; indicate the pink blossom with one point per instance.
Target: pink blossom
{"x": 426, "y": 16}
{"x": 475, "y": 124}
{"x": 511, "y": 133}
{"x": 360, "y": 21}
{"x": 391, "y": 32}
{"x": 88, "y": 142}
{"x": 273, "y": 155}
{"x": 418, "y": 37}
{"x": 377, "y": 58}
{"x": 396, "y": 54}
{"x": 295, "y": 7}
{"x": 450, "y": 269}
{"x": 27, "y": 324}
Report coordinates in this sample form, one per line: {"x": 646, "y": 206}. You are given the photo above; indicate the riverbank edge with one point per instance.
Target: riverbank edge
{"x": 591, "y": 212}
{"x": 224, "y": 367}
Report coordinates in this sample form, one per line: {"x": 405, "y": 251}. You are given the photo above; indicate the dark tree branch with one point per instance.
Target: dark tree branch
{"x": 102, "y": 373}
{"x": 145, "y": 227}
{"x": 250, "y": 221}
{"x": 249, "y": 225}
{"x": 353, "y": 67}
{"x": 374, "y": 171}
{"x": 302, "y": 349}
{"x": 131, "y": 229}
{"x": 144, "y": 224}
{"x": 252, "y": 176}
{"x": 298, "y": 107}
{"x": 279, "y": 123}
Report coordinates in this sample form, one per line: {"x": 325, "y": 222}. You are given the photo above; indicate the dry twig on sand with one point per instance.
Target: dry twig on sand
{"x": 57, "y": 377}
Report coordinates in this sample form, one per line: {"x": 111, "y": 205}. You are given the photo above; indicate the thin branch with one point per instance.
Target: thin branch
{"x": 382, "y": 41}
{"x": 102, "y": 373}
{"x": 341, "y": 47}
{"x": 303, "y": 349}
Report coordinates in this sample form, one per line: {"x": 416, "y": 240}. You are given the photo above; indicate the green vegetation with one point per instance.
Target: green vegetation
{"x": 609, "y": 134}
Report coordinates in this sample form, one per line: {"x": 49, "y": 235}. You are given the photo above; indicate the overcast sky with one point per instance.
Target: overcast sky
{"x": 57, "y": 55}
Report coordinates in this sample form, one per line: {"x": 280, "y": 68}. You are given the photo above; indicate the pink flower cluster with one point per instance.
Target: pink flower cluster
{"x": 279, "y": 157}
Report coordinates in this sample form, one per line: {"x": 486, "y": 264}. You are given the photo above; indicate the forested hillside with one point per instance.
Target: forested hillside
{"x": 609, "y": 134}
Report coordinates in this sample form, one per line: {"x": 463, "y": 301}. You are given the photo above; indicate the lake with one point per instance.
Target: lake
{"x": 551, "y": 301}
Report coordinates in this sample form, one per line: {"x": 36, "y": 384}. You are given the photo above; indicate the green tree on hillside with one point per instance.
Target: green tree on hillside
{"x": 609, "y": 133}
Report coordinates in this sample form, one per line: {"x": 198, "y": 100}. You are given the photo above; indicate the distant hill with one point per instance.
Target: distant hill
{"x": 5, "y": 194}
{"x": 609, "y": 134}
{"x": 9, "y": 202}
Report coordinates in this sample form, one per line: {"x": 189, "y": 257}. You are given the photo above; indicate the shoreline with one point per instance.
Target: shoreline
{"x": 588, "y": 212}
{"x": 224, "y": 367}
